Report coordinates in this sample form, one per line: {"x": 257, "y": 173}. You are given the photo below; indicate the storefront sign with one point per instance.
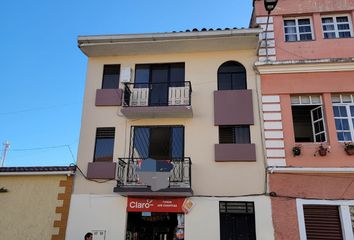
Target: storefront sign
{"x": 155, "y": 205}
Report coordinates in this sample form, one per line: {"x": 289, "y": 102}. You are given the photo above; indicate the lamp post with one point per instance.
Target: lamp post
{"x": 269, "y": 5}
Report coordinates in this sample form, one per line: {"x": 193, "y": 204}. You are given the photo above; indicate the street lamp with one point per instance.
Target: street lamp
{"x": 269, "y": 5}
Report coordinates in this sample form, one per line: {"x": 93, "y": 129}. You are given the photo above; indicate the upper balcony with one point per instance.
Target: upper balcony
{"x": 160, "y": 99}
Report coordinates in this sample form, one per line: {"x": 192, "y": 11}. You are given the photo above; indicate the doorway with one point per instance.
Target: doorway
{"x": 151, "y": 226}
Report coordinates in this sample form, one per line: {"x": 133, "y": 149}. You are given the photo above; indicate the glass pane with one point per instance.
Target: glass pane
{"x": 242, "y": 134}
{"x": 346, "y": 98}
{"x": 295, "y": 100}
{"x": 316, "y": 115}
{"x": 343, "y": 26}
{"x": 352, "y": 110}
{"x": 305, "y": 99}
{"x": 104, "y": 149}
{"x": 290, "y": 38}
{"x": 347, "y": 136}
{"x": 289, "y": 22}
{"x": 141, "y": 142}
{"x": 177, "y": 143}
{"x": 320, "y": 137}
{"x": 305, "y": 37}
{"x": 335, "y": 99}
{"x": 327, "y": 20}
{"x": 336, "y": 111}
{"x": 290, "y": 30}
{"x": 316, "y": 99}
{"x": 177, "y": 75}
{"x": 224, "y": 81}
{"x": 345, "y": 124}
{"x": 305, "y": 29}
{"x": 328, "y": 27}
{"x": 142, "y": 76}
{"x": 344, "y": 34}
{"x": 238, "y": 81}
{"x": 343, "y": 111}
{"x": 329, "y": 35}
{"x": 110, "y": 76}
{"x": 339, "y": 125}
{"x": 304, "y": 21}
{"x": 342, "y": 19}
{"x": 317, "y": 127}
{"x": 340, "y": 136}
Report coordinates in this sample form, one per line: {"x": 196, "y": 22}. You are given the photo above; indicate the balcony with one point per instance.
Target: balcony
{"x": 163, "y": 100}
{"x": 130, "y": 180}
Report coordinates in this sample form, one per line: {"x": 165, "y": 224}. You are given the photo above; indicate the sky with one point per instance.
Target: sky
{"x": 42, "y": 71}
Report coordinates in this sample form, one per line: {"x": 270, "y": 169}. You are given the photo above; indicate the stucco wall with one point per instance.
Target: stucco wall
{"x": 324, "y": 84}
{"x": 288, "y": 187}
{"x": 313, "y": 9}
{"x": 208, "y": 177}
{"x": 108, "y": 212}
{"x": 28, "y": 208}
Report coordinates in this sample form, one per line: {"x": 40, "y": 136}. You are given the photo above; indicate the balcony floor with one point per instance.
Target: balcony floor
{"x": 157, "y": 112}
{"x": 146, "y": 191}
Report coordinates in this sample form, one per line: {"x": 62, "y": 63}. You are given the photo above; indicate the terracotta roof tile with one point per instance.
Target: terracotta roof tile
{"x": 38, "y": 169}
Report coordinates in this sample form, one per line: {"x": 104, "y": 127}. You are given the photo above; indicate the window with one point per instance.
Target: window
{"x": 146, "y": 74}
{"x": 104, "y": 145}
{"x": 298, "y": 29}
{"x": 234, "y": 134}
{"x": 237, "y": 221}
{"x": 232, "y": 76}
{"x": 158, "y": 142}
{"x": 322, "y": 221}
{"x": 343, "y": 110}
{"x": 110, "y": 76}
{"x": 336, "y": 27}
{"x": 308, "y": 118}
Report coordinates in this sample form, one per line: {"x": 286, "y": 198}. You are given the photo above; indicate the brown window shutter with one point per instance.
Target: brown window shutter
{"x": 322, "y": 222}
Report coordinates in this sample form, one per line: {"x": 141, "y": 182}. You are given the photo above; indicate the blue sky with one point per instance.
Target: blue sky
{"x": 42, "y": 71}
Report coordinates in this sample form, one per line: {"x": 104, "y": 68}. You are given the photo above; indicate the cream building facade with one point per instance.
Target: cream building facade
{"x": 214, "y": 152}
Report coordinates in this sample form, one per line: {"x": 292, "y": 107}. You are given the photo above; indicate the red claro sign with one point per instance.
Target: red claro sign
{"x": 155, "y": 205}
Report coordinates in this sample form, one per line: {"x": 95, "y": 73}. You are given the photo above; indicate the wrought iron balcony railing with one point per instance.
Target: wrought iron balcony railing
{"x": 128, "y": 172}
{"x": 157, "y": 94}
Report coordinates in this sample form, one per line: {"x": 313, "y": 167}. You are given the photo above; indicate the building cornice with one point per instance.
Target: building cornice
{"x": 305, "y": 66}
{"x": 162, "y": 43}
{"x": 309, "y": 170}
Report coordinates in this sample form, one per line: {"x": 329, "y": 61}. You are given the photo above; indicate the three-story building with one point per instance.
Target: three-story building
{"x": 307, "y": 82}
{"x": 170, "y": 139}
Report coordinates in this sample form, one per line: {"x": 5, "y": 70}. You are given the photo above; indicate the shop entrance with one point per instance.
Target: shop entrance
{"x": 153, "y": 225}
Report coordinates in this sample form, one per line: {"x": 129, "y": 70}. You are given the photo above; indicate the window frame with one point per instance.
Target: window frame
{"x": 298, "y": 29}
{"x": 150, "y": 66}
{"x": 94, "y": 159}
{"x": 252, "y": 213}
{"x": 103, "y": 75}
{"x": 311, "y": 103}
{"x": 234, "y": 136}
{"x": 238, "y": 64}
{"x": 344, "y": 213}
{"x": 349, "y": 116}
{"x": 335, "y": 23}
{"x": 132, "y": 136}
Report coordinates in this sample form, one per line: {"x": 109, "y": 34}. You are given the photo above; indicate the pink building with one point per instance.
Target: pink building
{"x": 307, "y": 82}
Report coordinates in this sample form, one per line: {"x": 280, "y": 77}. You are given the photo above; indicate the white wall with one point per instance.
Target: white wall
{"x": 97, "y": 212}
{"x": 203, "y": 221}
{"x": 108, "y": 212}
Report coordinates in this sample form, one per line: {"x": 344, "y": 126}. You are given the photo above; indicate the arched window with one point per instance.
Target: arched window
{"x": 232, "y": 76}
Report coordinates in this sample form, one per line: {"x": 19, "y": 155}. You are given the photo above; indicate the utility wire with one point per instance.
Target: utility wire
{"x": 38, "y": 109}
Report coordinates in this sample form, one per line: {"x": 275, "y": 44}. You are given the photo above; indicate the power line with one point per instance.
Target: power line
{"x": 38, "y": 108}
